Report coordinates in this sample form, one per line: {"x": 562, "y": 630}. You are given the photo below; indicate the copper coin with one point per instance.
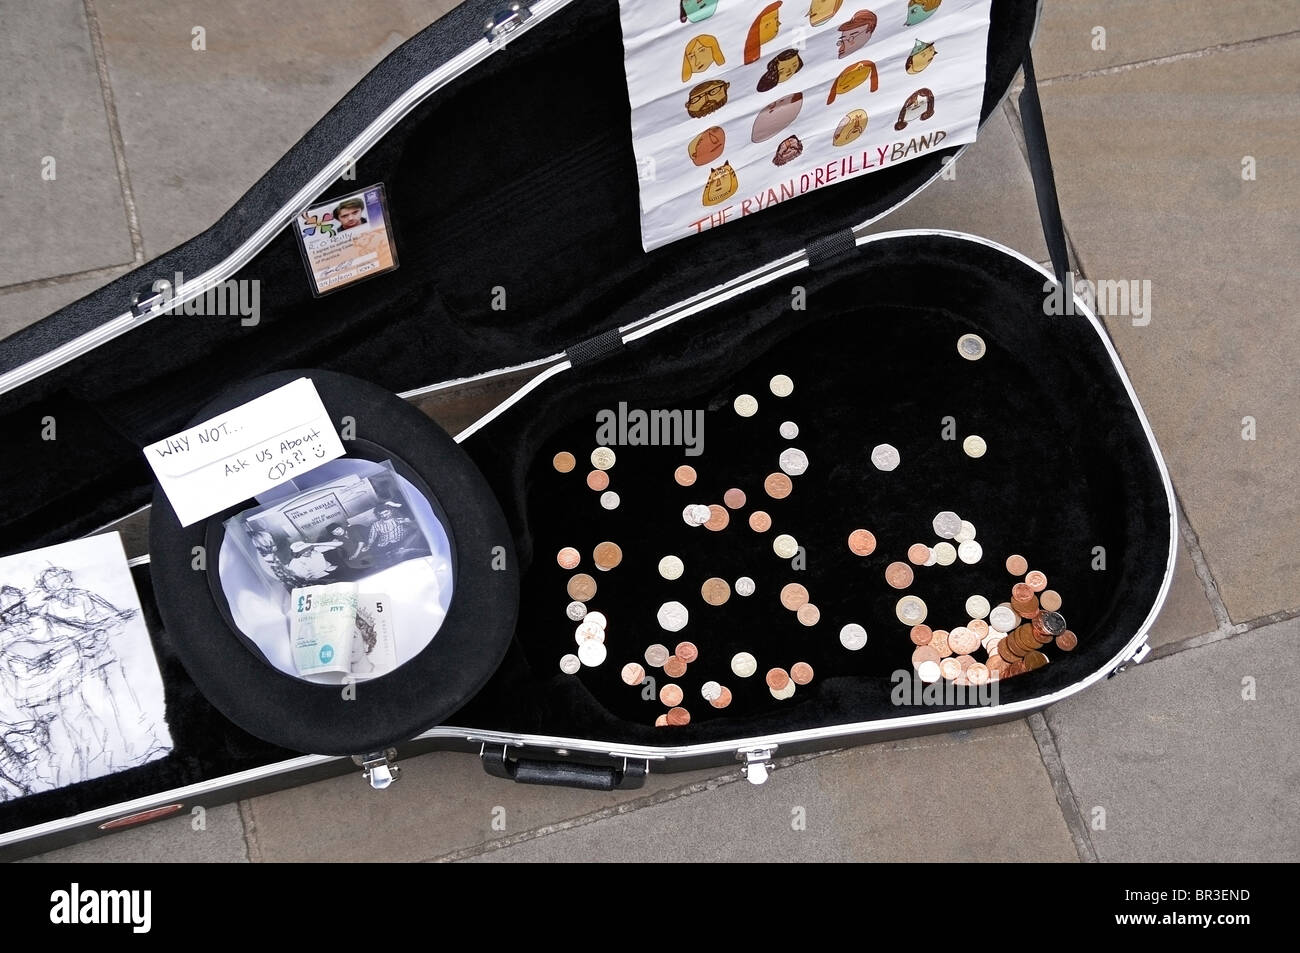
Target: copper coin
{"x": 978, "y": 673}
{"x": 918, "y": 553}
{"x": 1021, "y": 592}
{"x": 862, "y": 542}
{"x": 661, "y": 721}
{"x": 979, "y": 627}
{"x": 995, "y": 665}
{"x": 1007, "y": 651}
{"x": 1067, "y": 641}
{"x": 1034, "y": 659}
{"x": 734, "y": 498}
{"x": 633, "y": 674}
{"x": 963, "y": 640}
{"x": 607, "y": 555}
{"x": 1026, "y": 610}
{"x": 1035, "y": 580}
{"x": 656, "y": 655}
{"x": 801, "y": 673}
{"x": 718, "y": 518}
{"x": 898, "y": 575}
{"x": 564, "y": 461}
{"x": 715, "y": 591}
{"x": 678, "y": 717}
{"x": 809, "y": 614}
{"x": 778, "y": 486}
{"x": 684, "y": 475}
{"x": 687, "y": 652}
{"x": 671, "y": 695}
{"x": 582, "y": 587}
{"x": 794, "y": 596}
{"x": 939, "y": 642}
{"x": 966, "y": 661}
{"x": 674, "y": 666}
{"x": 598, "y": 480}
{"x": 950, "y": 668}
{"x": 1050, "y": 600}
{"x": 759, "y": 521}
{"x": 777, "y": 679}
{"x": 924, "y": 653}
{"x": 921, "y": 634}
{"x": 568, "y": 558}
{"x": 723, "y": 700}
{"x": 1017, "y": 565}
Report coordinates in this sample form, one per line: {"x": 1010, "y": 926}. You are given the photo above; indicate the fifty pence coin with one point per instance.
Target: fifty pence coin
{"x": 947, "y": 524}
{"x": 793, "y": 462}
{"x": 672, "y": 616}
{"x": 885, "y": 457}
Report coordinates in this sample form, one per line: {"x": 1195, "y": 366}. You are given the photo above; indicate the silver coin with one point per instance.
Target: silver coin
{"x": 576, "y": 610}
{"x": 671, "y": 567}
{"x": 946, "y": 524}
{"x": 688, "y": 515}
{"x": 971, "y": 347}
{"x": 609, "y": 500}
{"x": 785, "y": 546}
{"x": 784, "y": 693}
{"x": 990, "y": 641}
{"x": 945, "y": 554}
{"x": 1053, "y": 623}
{"x": 928, "y": 672}
{"x": 931, "y": 559}
{"x": 910, "y": 610}
{"x": 744, "y": 586}
{"x": 794, "y": 462}
{"x": 1003, "y": 619}
{"x": 885, "y": 457}
{"x": 656, "y": 655}
{"x": 602, "y": 458}
{"x": 975, "y": 446}
{"x": 743, "y": 664}
{"x": 597, "y": 618}
{"x": 970, "y": 552}
{"x": 977, "y": 607}
{"x": 591, "y": 653}
{"x": 672, "y": 616}
{"x": 781, "y": 385}
{"x": 569, "y": 664}
{"x": 700, "y": 513}
{"x": 789, "y": 430}
{"x": 586, "y": 632}
{"x": 966, "y": 533}
{"x": 853, "y": 637}
{"x": 746, "y": 405}
{"x": 711, "y": 691}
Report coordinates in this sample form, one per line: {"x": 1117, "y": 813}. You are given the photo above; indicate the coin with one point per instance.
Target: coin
{"x": 734, "y": 498}
{"x": 723, "y": 699}
{"x": 781, "y": 386}
{"x": 862, "y": 542}
{"x": 582, "y": 587}
{"x": 718, "y": 518}
{"x": 671, "y": 567}
{"x": 785, "y": 546}
{"x": 974, "y": 446}
{"x": 564, "y": 461}
{"x": 607, "y": 555}
{"x": 885, "y": 457}
{"x": 1003, "y": 619}
{"x": 777, "y": 679}
{"x": 1050, "y": 600}
{"x": 1021, "y": 592}
{"x": 569, "y": 664}
{"x": 931, "y": 560}
{"x": 602, "y": 458}
{"x": 801, "y": 673}
{"x": 945, "y": 553}
{"x": 910, "y": 610}
{"x": 1053, "y": 623}
{"x": 710, "y": 691}
{"x": 898, "y": 575}
{"x": 1035, "y": 580}
{"x": 1067, "y": 641}
{"x": 743, "y": 664}
{"x": 759, "y": 521}
{"x": 789, "y": 430}
{"x": 744, "y": 586}
{"x": 689, "y": 515}
{"x": 793, "y": 596}
{"x": 921, "y": 634}
{"x": 918, "y": 553}
{"x": 746, "y": 405}
{"x": 979, "y": 627}
{"x": 609, "y": 500}
{"x": 1007, "y": 650}
{"x": 939, "y": 642}
{"x": 784, "y": 693}
{"x": 977, "y": 607}
{"x": 963, "y": 640}
{"x": 971, "y": 347}
{"x": 672, "y": 616}
{"x": 950, "y": 668}
{"x": 678, "y": 717}
{"x": 1017, "y": 565}
{"x": 591, "y": 653}
{"x": 687, "y": 652}
{"x": 924, "y": 653}
{"x": 966, "y": 532}
{"x": 568, "y": 558}
{"x": 778, "y": 486}
{"x": 671, "y": 695}
{"x": 970, "y": 552}
{"x": 675, "y": 666}
{"x": 598, "y": 480}
{"x": 700, "y": 514}
{"x": 715, "y": 591}
{"x": 809, "y": 614}
{"x": 947, "y": 524}
{"x": 661, "y": 721}
{"x": 633, "y": 674}
{"x": 853, "y": 637}
{"x": 684, "y": 475}
{"x": 586, "y": 632}
{"x": 656, "y": 655}
{"x": 793, "y": 461}
{"x": 977, "y": 674}
{"x": 575, "y": 610}
{"x": 597, "y": 619}
{"x": 928, "y": 671}
{"x": 1034, "y": 659}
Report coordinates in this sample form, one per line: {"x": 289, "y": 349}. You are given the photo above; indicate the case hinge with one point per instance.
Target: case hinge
{"x": 758, "y": 763}
{"x": 498, "y": 28}
{"x": 379, "y": 767}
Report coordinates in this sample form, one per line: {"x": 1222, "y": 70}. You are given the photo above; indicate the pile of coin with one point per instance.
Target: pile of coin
{"x": 590, "y": 636}
{"x": 781, "y": 684}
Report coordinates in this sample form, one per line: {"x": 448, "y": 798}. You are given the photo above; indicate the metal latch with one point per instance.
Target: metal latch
{"x": 379, "y": 767}
{"x": 758, "y": 763}
{"x": 504, "y": 22}
{"x": 153, "y": 296}
{"x": 1141, "y": 652}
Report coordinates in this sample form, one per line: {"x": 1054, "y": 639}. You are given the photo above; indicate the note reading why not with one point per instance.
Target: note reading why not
{"x": 247, "y": 450}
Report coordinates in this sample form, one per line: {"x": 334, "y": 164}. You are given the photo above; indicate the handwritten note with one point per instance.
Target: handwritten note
{"x": 236, "y": 455}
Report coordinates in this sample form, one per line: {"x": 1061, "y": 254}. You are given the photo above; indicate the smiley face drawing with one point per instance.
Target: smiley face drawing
{"x": 919, "y": 107}
{"x": 852, "y": 77}
{"x": 850, "y": 127}
{"x": 918, "y": 10}
{"x": 784, "y": 65}
{"x": 707, "y": 146}
{"x": 721, "y": 186}
{"x": 764, "y": 29}
{"x": 775, "y": 116}
{"x": 701, "y": 52}
{"x": 696, "y": 11}
{"x": 920, "y": 57}
{"x": 855, "y": 32}
{"x": 707, "y": 97}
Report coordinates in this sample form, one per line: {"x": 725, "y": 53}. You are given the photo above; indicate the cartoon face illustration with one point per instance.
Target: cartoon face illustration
{"x": 853, "y": 77}
{"x": 764, "y": 29}
{"x": 722, "y": 184}
{"x": 790, "y": 148}
{"x": 783, "y": 66}
{"x": 855, "y": 33}
{"x": 918, "y": 10}
{"x": 775, "y": 116}
{"x": 819, "y": 11}
{"x": 697, "y": 10}
{"x": 919, "y": 106}
{"x": 707, "y": 146}
{"x": 850, "y": 127}
{"x": 921, "y": 55}
{"x": 701, "y": 53}
{"x": 707, "y": 97}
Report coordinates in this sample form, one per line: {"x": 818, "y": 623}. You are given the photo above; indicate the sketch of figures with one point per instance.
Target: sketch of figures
{"x": 80, "y": 692}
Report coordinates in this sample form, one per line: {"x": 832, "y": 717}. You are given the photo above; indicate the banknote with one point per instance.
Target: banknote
{"x": 374, "y": 652}
{"x": 322, "y": 627}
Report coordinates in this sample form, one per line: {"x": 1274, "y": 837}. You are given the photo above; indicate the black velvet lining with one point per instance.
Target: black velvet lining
{"x": 874, "y": 360}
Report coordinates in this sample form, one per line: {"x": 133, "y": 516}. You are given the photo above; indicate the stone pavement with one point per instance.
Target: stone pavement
{"x": 1174, "y": 136}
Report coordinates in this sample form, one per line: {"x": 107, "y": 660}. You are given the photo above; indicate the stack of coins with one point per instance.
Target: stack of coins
{"x": 781, "y": 684}
{"x": 671, "y": 694}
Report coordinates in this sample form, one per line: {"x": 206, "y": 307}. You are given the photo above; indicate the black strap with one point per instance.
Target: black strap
{"x": 1040, "y": 167}
{"x": 595, "y": 349}
{"x": 831, "y": 249}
